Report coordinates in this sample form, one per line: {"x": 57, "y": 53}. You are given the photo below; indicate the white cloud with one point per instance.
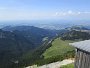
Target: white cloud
{"x": 78, "y": 13}
{"x": 27, "y": 14}
{"x": 71, "y": 13}
{"x": 56, "y": 13}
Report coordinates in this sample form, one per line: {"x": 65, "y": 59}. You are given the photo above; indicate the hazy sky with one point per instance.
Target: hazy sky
{"x": 44, "y": 9}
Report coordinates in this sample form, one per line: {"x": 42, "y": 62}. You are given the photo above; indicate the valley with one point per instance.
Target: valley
{"x": 29, "y": 45}
{"x": 44, "y": 33}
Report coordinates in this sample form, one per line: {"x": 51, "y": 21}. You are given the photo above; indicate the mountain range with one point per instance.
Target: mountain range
{"x": 25, "y": 45}
{"x": 17, "y": 41}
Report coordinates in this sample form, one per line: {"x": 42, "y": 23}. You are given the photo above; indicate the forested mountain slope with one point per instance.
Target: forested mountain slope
{"x": 12, "y": 46}
{"x": 20, "y": 40}
{"x": 32, "y": 33}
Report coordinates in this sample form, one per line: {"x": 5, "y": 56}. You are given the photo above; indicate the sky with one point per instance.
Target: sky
{"x": 44, "y": 9}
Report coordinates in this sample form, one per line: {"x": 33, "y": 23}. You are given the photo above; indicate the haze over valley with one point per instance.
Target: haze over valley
{"x": 38, "y": 33}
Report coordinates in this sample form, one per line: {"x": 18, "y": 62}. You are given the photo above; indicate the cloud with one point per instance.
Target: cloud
{"x": 14, "y": 14}
{"x": 78, "y": 13}
{"x": 72, "y": 13}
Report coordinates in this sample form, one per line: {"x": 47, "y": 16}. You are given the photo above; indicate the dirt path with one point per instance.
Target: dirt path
{"x": 55, "y": 64}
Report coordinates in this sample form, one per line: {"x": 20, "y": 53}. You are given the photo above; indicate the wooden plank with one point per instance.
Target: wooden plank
{"x": 82, "y": 59}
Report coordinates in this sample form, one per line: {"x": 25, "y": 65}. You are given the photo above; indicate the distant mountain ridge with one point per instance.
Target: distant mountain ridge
{"x": 75, "y": 35}
{"x": 32, "y": 33}
{"x": 77, "y": 28}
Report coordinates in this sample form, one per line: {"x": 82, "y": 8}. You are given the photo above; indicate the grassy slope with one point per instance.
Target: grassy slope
{"x": 68, "y": 66}
{"x": 58, "y": 47}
